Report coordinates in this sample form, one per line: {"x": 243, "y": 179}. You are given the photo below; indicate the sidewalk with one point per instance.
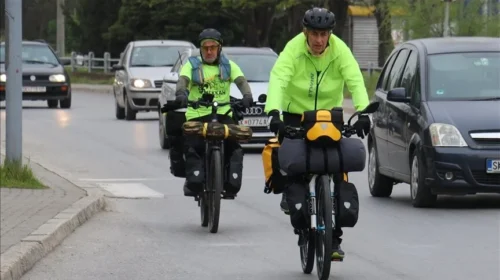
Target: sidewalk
{"x": 34, "y": 222}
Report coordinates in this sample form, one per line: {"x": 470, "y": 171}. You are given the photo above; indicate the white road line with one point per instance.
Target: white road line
{"x": 127, "y": 179}
{"x": 152, "y": 179}
{"x": 130, "y": 190}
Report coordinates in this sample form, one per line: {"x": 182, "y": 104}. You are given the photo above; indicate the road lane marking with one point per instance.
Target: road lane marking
{"x": 127, "y": 179}
{"x": 130, "y": 190}
{"x": 152, "y": 179}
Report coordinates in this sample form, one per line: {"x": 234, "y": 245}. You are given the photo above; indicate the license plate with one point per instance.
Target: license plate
{"x": 254, "y": 122}
{"x": 493, "y": 166}
{"x": 34, "y": 89}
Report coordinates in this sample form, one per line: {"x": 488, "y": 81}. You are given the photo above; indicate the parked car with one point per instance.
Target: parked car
{"x": 256, "y": 65}
{"x": 43, "y": 74}
{"x": 139, "y": 75}
{"x": 438, "y": 124}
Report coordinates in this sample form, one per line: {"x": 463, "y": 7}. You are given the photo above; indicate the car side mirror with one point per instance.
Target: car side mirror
{"x": 65, "y": 61}
{"x": 117, "y": 67}
{"x": 171, "y": 78}
{"x": 398, "y": 95}
{"x": 262, "y": 98}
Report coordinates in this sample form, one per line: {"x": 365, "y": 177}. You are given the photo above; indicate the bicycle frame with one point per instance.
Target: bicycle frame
{"x": 211, "y": 145}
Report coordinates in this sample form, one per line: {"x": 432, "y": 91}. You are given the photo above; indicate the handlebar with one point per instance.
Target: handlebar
{"x": 235, "y": 104}
{"x": 347, "y": 129}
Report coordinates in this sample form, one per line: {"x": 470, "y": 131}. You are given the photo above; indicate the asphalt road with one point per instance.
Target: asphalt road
{"x": 161, "y": 238}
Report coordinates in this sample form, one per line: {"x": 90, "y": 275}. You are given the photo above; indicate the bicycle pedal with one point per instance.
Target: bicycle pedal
{"x": 337, "y": 260}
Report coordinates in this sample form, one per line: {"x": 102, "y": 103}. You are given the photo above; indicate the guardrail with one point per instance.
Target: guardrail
{"x": 90, "y": 62}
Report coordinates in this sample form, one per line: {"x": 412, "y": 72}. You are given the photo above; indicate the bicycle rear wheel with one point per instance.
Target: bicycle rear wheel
{"x": 307, "y": 250}
{"x": 203, "y": 209}
{"x": 214, "y": 192}
{"x": 324, "y": 227}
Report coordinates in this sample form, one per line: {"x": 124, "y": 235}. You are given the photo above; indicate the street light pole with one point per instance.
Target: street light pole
{"x": 14, "y": 84}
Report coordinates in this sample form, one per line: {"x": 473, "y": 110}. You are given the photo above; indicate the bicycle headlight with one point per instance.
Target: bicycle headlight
{"x": 446, "y": 135}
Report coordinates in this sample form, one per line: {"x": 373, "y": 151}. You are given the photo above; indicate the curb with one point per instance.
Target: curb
{"x": 20, "y": 258}
{"x": 107, "y": 89}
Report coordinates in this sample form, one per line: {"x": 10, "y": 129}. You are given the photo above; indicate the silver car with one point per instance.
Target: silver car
{"x": 256, "y": 64}
{"x": 139, "y": 74}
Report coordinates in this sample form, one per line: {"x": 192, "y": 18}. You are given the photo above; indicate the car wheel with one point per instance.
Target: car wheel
{"x": 52, "y": 103}
{"x": 164, "y": 144}
{"x": 421, "y": 195}
{"x": 130, "y": 114}
{"x": 119, "y": 111}
{"x": 65, "y": 103}
{"x": 380, "y": 185}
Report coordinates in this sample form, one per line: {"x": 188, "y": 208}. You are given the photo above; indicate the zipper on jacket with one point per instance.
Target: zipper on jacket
{"x": 318, "y": 80}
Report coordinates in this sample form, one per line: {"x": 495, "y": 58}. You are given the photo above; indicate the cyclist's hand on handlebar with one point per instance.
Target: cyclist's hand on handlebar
{"x": 362, "y": 125}
{"x": 275, "y": 123}
{"x": 247, "y": 100}
{"x": 181, "y": 98}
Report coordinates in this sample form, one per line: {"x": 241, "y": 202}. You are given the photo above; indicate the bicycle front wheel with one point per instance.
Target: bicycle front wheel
{"x": 214, "y": 193}
{"x": 324, "y": 227}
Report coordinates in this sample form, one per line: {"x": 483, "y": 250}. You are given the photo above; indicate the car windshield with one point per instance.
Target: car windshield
{"x": 255, "y": 67}
{"x": 464, "y": 76}
{"x": 33, "y": 54}
{"x": 155, "y": 56}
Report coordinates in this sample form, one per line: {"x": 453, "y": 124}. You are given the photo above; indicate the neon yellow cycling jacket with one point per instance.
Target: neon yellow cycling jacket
{"x": 300, "y": 81}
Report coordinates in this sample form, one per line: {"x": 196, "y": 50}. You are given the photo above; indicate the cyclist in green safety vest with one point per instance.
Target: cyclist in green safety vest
{"x": 212, "y": 73}
{"x": 310, "y": 74}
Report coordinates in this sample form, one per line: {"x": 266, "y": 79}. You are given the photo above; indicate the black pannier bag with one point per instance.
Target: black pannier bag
{"x": 174, "y": 121}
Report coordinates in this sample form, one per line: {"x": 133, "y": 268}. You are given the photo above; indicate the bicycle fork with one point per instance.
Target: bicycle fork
{"x": 312, "y": 203}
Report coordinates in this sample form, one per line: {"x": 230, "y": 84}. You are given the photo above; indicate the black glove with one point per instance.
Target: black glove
{"x": 181, "y": 98}
{"x": 247, "y": 100}
{"x": 362, "y": 125}
{"x": 275, "y": 124}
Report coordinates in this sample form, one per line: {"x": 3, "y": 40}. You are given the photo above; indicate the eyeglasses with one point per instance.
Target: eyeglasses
{"x": 210, "y": 48}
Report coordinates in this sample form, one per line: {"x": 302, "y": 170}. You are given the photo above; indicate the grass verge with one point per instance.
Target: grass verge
{"x": 14, "y": 174}
{"x": 96, "y": 77}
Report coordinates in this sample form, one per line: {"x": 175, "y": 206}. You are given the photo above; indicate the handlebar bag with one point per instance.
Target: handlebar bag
{"x": 323, "y": 127}
{"x": 297, "y": 156}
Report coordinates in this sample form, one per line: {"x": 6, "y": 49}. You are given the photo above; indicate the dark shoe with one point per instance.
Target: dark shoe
{"x": 228, "y": 195}
{"x": 337, "y": 252}
{"x": 190, "y": 192}
{"x": 284, "y": 205}
{"x": 303, "y": 236}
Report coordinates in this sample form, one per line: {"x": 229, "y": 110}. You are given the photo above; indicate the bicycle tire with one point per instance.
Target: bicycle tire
{"x": 324, "y": 237}
{"x": 203, "y": 209}
{"x": 307, "y": 251}
{"x": 215, "y": 190}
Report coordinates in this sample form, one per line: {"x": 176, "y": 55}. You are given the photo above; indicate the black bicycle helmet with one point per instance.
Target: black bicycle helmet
{"x": 319, "y": 19}
{"x": 210, "y": 33}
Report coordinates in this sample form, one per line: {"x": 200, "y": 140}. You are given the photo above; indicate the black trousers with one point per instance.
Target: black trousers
{"x": 194, "y": 152}
{"x": 297, "y": 189}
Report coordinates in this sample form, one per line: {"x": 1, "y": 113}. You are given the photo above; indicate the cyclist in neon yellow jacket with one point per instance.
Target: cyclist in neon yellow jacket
{"x": 310, "y": 74}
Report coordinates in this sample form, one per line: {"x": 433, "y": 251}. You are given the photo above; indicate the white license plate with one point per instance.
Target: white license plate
{"x": 254, "y": 122}
{"x": 34, "y": 89}
{"x": 493, "y": 166}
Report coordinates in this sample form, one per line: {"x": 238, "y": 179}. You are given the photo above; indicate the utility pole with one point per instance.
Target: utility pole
{"x": 60, "y": 29}
{"x": 446, "y": 23}
{"x": 14, "y": 83}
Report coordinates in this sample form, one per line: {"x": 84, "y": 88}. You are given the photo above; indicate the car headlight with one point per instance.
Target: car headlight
{"x": 446, "y": 135}
{"x": 3, "y": 78}
{"x": 58, "y": 78}
{"x": 141, "y": 83}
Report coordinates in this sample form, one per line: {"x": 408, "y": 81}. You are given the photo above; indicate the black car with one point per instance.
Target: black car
{"x": 438, "y": 124}
{"x": 44, "y": 76}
